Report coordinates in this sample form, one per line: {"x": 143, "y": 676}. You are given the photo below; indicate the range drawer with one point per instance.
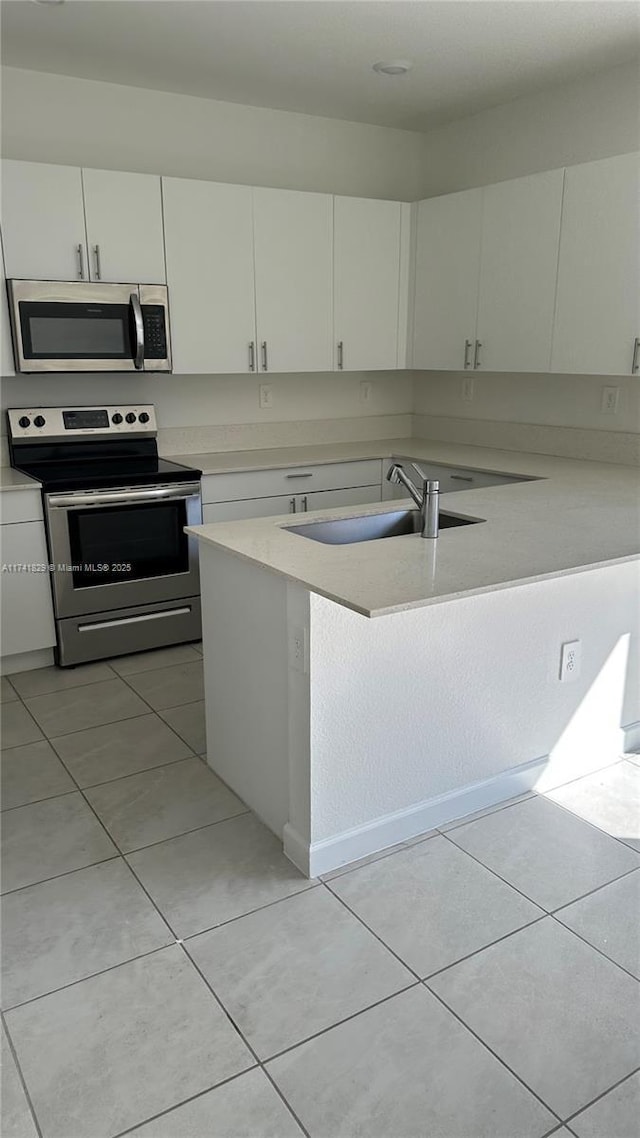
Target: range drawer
{"x": 292, "y": 480}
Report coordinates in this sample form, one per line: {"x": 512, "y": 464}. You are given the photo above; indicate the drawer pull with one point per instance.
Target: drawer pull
{"x": 634, "y": 362}
{"x": 461, "y": 478}
{"x": 309, "y": 475}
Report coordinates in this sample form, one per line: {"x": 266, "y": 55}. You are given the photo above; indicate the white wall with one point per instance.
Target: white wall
{"x": 78, "y": 122}
{"x": 592, "y": 118}
{"x": 553, "y": 400}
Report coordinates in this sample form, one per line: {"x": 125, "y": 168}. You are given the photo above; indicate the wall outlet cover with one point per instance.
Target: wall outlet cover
{"x": 365, "y": 390}
{"x": 570, "y": 658}
{"x": 609, "y": 404}
{"x": 468, "y": 386}
{"x": 266, "y": 396}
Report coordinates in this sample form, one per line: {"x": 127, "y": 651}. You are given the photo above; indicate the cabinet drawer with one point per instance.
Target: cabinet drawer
{"x": 294, "y": 480}
{"x": 247, "y": 508}
{"x": 20, "y": 506}
{"x": 452, "y": 478}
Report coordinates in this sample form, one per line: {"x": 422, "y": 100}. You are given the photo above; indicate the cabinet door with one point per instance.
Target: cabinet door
{"x": 124, "y": 221}
{"x": 446, "y": 283}
{"x": 293, "y": 255}
{"x": 6, "y": 349}
{"x": 251, "y": 508}
{"x": 26, "y": 606}
{"x": 598, "y": 300}
{"x": 209, "y": 248}
{"x": 519, "y": 263}
{"x": 330, "y": 499}
{"x": 366, "y": 275}
{"x": 43, "y": 221}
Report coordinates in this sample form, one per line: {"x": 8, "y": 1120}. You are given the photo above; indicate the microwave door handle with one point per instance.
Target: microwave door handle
{"x": 138, "y": 325}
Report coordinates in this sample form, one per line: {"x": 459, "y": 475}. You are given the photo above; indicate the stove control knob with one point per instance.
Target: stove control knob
{"x": 131, "y": 418}
{"x": 24, "y": 422}
{"x": 143, "y": 417}
{"x": 39, "y": 421}
{"x": 117, "y": 418}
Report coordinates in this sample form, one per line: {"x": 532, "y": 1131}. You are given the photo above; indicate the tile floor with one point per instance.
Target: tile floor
{"x": 167, "y": 973}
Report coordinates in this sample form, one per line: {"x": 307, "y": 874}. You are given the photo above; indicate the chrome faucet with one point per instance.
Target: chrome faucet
{"x": 427, "y": 500}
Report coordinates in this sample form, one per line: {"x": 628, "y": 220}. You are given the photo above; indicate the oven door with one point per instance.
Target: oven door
{"x": 111, "y": 549}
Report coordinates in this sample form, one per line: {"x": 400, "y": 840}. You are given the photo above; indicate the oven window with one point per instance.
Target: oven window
{"x": 117, "y": 544}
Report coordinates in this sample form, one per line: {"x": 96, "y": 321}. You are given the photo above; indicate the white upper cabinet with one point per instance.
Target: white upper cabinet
{"x": 519, "y": 263}
{"x": 366, "y": 283}
{"x": 209, "y": 248}
{"x": 598, "y": 302}
{"x": 293, "y": 263}
{"x": 43, "y": 221}
{"x": 124, "y": 226}
{"x": 446, "y": 281}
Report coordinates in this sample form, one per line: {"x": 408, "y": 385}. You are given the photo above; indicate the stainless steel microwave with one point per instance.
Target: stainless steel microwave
{"x": 80, "y": 326}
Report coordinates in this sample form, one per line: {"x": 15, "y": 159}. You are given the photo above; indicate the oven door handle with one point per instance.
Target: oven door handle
{"x": 138, "y": 325}
{"x": 123, "y": 497}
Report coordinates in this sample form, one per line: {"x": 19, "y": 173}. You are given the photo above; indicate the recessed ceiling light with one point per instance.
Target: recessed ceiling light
{"x": 393, "y": 66}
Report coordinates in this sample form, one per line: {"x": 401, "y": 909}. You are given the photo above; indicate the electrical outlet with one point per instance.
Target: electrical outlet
{"x": 266, "y": 396}
{"x": 298, "y": 650}
{"x": 570, "y": 654}
{"x": 365, "y": 391}
{"x": 468, "y": 388}
{"x": 609, "y": 404}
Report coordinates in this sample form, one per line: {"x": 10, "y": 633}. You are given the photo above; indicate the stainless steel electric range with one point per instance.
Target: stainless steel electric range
{"x": 124, "y": 574}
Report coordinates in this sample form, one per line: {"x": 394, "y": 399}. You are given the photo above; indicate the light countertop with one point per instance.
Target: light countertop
{"x": 11, "y": 479}
{"x": 578, "y": 516}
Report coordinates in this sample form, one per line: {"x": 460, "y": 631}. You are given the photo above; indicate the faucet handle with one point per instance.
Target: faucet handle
{"x": 419, "y": 471}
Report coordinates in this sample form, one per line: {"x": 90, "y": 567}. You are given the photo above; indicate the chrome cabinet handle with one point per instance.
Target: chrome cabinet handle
{"x": 252, "y": 355}
{"x": 635, "y": 366}
{"x": 265, "y": 360}
{"x": 304, "y": 502}
{"x": 80, "y": 253}
{"x": 292, "y": 505}
{"x": 308, "y": 475}
{"x": 476, "y": 354}
{"x": 340, "y": 355}
{"x": 138, "y": 323}
{"x": 96, "y": 253}
{"x": 467, "y": 349}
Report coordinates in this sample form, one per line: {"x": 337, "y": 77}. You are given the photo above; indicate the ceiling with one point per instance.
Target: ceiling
{"x": 316, "y": 56}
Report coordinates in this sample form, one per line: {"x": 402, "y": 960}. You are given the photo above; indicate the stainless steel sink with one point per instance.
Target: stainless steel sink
{"x": 373, "y": 527}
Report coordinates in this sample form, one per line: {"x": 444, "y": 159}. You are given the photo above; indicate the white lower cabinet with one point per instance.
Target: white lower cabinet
{"x": 26, "y": 605}
{"x": 451, "y": 478}
{"x": 292, "y": 490}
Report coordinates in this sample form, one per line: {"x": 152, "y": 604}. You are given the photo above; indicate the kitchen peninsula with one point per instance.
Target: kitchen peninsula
{"x": 359, "y": 695}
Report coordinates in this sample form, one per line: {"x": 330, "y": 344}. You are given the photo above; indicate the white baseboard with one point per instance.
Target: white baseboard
{"x": 26, "y": 661}
{"x": 631, "y": 734}
{"x": 321, "y": 857}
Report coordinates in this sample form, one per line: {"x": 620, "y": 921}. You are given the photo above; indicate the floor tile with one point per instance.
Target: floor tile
{"x": 158, "y": 658}
{"x": 610, "y": 920}
{"x": 170, "y": 687}
{"x": 631, "y": 757}
{"x": 224, "y": 871}
{"x": 616, "y": 1115}
{"x": 162, "y": 803}
{"x": 296, "y": 968}
{"x": 41, "y": 681}
{"x": 78, "y": 708}
{"x": 406, "y": 1069}
{"x": 609, "y": 799}
{"x": 560, "y": 1015}
{"x": 246, "y": 1107}
{"x": 30, "y": 773}
{"x": 401, "y": 899}
{"x": 17, "y": 1119}
{"x": 542, "y": 850}
{"x": 189, "y": 723}
{"x": 483, "y": 813}
{"x": 370, "y": 858}
{"x": 105, "y": 1054}
{"x": 17, "y": 726}
{"x": 114, "y": 750}
{"x": 66, "y": 929}
{"x": 49, "y": 838}
{"x": 7, "y": 692}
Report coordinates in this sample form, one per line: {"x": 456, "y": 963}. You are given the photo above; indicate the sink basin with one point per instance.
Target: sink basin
{"x": 373, "y": 527}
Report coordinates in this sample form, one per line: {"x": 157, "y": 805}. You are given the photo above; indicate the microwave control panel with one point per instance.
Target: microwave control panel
{"x": 67, "y": 423}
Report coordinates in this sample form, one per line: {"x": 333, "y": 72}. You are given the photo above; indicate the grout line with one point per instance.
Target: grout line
{"x": 250, "y": 912}
{"x": 477, "y": 951}
{"x": 586, "y": 822}
{"x": 184, "y": 1102}
{"x": 594, "y": 948}
{"x": 327, "y": 886}
{"x": 373, "y": 859}
{"x": 158, "y": 712}
{"x": 590, "y": 892}
{"x": 496, "y": 874}
{"x": 145, "y": 770}
{"x": 613, "y": 1087}
{"x": 492, "y": 1052}
{"x": 21, "y": 1077}
{"x": 91, "y": 976}
{"x": 476, "y": 815}
{"x": 182, "y": 834}
{"x": 57, "y": 876}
